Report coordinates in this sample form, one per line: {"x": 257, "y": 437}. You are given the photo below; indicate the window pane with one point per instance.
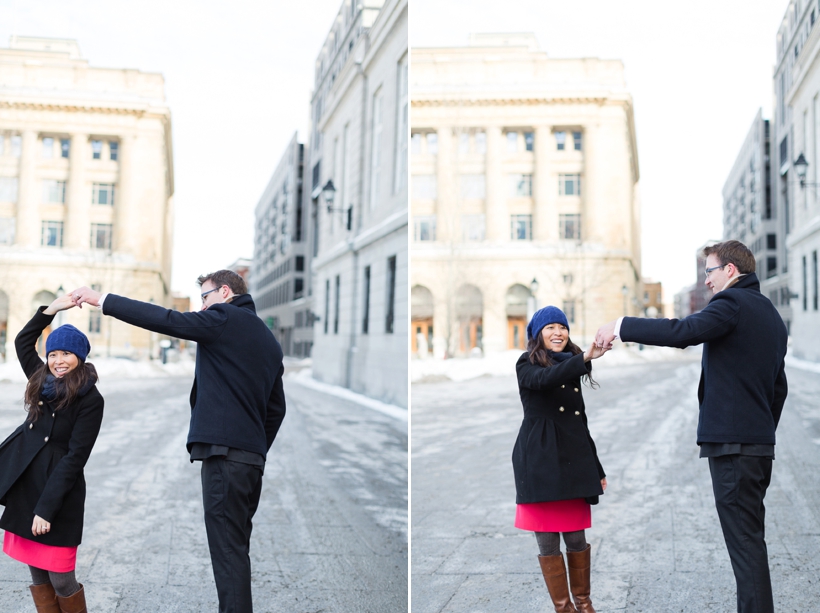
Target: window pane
{"x": 424, "y": 187}
{"x": 54, "y": 192}
{"x": 521, "y": 186}
{"x": 576, "y": 138}
{"x": 512, "y": 142}
{"x": 114, "y": 149}
{"x": 570, "y": 226}
{"x": 432, "y": 143}
{"x": 560, "y": 140}
{"x": 48, "y": 147}
{"x": 8, "y": 189}
{"x": 473, "y": 186}
{"x": 480, "y": 142}
{"x": 472, "y": 227}
{"x": 464, "y": 144}
{"x": 415, "y": 143}
{"x": 521, "y": 227}
{"x": 7, "y": 225}
{"x": 65, "y": 147}
{"x": 424, "y": 228}
{"x": 529, "y": 140}
{"x": 96, "y": 149}
{"x": 16, "y": 145}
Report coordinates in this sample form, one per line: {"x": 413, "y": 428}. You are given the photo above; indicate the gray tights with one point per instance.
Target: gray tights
{"x": 548, "y": 542}
{"x": 65, "y": 584}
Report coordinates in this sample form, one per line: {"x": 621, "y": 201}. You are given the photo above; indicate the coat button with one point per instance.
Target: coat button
{"x": 39, "y": 404}
{"x": 46, "y": 439}
{"x": 576, "y": 389}
{"x": 30, "y": 426}
{"x": 561, "y": 409}
{"x": 577, "y": 412}
{"x": 563, "y": 386}
{"x": 54, "y": 414}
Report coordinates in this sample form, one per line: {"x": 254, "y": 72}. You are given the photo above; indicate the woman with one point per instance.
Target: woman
{"x": 41, "y": 464}
{"x": 557, "y": 472}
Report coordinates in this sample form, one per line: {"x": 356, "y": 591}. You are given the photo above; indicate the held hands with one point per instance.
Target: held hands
{"x": 605, "y": 335}
{"x": 40, "y": 526}
{"x": 86, "y": 295}
{"x": 60, "y": 304}
{"x": 595, "y": 352}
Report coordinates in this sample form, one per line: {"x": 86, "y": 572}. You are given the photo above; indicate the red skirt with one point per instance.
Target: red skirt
{"x": 554, "y": 516}
{"x": 47, "y": 557}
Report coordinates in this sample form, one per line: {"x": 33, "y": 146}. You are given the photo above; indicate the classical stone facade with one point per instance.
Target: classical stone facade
{"x": 359, "y": 141}
{"x": 524, "y": 192}
{"x": 86, "y": 186}
{"x": 803, "y": 101}
{"x": 280, "y": 282}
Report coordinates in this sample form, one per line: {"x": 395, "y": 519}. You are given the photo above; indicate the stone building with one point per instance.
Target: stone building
{"x": 86, "y": 186}
{"x": 802, "y": 99}
{"x": 524, "y": 192}
{"x": 359, "y": 143}
{"x": 280, "y": 282}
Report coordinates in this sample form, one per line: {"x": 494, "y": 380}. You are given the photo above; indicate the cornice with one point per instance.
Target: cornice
{"x": 517, "y": 101}
{"x": 82, "y": 108}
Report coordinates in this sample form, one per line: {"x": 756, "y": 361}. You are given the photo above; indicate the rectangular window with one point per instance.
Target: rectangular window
{"x": 481, "y": 143}
{"x": 48, "y": 147}
{"x": 96, "y": 149}
{"x": 569, "y": 311}
{"x": 521, "y": 227}
{"x": 463, "y": 144}
{"x": 336, "y": 306}
{"x": 432, "y": 143}
{"x": 54, "y": 192}
{"x": 376, "y": 149}
{"x": 16, "y": 146}
{"x": 424, "y": 187}
{"x": 8, "y": 189}
{"x": 569, "y": 185}
{"x": 103, "y": 193}
{"x": 529, "y": 141}
{"x": 784, "y": 150}
{"x": 101, "y": 234}
{"x": 569, "y": 226}
{"x": 473, "y": 187}
{"x": 7, "y": 225}
{"x": 805, "y": 285}
{"x": 327, "y": 304}
{"x": 415, "y": 143}
{"x": 65, "y": 147}
{"x": 814, "y": 281}
{"x": 298, "y": 287}
{"x": 521, "y": 186}
{"x": 391, "y": 295}
{"x": 576, "y": 140}
{"x": 52, "y": 234}
{"x": 771, "y": 241}
{"x": 113, "y": 150}
{"x": 512, "y": 142}
{"x": 560, "y": 141}
{"x": 424, "y": 228}
{"x": 366, "y": 318}
{"x": 771, "y": 267}
{"x": 402, "y": 125}
{"x": 472, "y": 227}
{"x": 300, "y": 263}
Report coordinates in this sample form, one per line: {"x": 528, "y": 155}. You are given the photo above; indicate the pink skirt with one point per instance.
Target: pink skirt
{"x": 554, "y": 516}
{"x": 47, "y": 557}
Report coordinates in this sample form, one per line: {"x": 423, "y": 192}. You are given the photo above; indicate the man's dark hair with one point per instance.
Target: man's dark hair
{"x": 732, "y": 252}
{"x": 225, "y": 277}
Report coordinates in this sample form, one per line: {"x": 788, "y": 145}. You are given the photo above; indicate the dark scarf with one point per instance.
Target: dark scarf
{"x": 559, "y": 356}
{"x": 50, "y": 391}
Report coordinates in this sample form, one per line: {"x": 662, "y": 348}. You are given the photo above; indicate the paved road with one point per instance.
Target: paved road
{"x": 657, "y": 545}
{"x": 330, "y": 534}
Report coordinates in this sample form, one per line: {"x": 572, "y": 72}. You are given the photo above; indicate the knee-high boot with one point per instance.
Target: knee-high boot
{"x": 578, "y": 563}
{"x": 74, "y": 603}
{"x": 45, "y": 599}
{"x": 555, "y": 576}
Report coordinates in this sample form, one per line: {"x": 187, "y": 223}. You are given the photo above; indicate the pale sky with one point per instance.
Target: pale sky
{"x": 698, "y": 72}
{"x": 238, "y": 80}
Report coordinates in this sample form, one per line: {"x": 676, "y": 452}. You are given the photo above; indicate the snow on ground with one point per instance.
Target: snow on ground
{"x": 802, "y": 364}
{"x": 115, "y": 368}
{"x": 503, "y": 362}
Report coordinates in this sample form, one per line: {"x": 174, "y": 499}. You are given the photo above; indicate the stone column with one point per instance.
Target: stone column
{"x": 77, "y": 225}
{"x": 28, "y": 196}
{"x": 599, "y": 209}
{"x": 124, "y": 198}
{"x": 495, "y": 207}
{"x": 447, "y": 218}
{"x": 544, "y": 217}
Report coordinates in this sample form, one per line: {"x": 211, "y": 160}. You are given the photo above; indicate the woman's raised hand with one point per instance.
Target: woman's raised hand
{"x": 595, "y": 352}
{"x": 60, "y": 304}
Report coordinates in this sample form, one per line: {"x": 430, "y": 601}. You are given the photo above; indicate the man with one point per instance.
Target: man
{"x": 237, "y": 407}
{"x": 741, "y": 394}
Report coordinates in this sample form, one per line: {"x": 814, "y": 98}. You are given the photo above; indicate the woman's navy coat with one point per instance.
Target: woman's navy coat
{"x": 41, "y": 463}
{"x": 554, "y": 456}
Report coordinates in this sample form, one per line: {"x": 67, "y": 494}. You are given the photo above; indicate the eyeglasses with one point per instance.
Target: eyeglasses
{"x": 209, "y": 292}
{"x": 708, "y": 270}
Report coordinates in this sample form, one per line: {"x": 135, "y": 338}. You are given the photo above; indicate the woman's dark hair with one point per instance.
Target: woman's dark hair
{"x": 540, "y": 355}
{"x": 68, "y": 388}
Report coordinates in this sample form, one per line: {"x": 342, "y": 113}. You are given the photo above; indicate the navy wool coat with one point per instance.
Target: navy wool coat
{"x": 743, "y": 381}
{"x": 554, "y": 457}
{"x": 41, "y": 463}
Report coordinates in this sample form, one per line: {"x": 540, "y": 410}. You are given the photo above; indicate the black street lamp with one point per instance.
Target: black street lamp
{"x": 329, "y": 194}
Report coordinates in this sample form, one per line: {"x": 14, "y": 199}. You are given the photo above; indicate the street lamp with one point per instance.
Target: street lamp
{"x": 329, "y": 194}
{"x": 532, "y": 302}
{"x": 801, "y": 167}
{"x": 625, "y": 292}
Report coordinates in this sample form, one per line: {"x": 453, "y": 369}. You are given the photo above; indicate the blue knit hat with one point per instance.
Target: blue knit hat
{"x": 68, "y": 338}
{"x": 544, "y": 317}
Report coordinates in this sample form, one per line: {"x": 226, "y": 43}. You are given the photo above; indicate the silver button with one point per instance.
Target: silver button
{"x": 577, "y": 412}
{"x": 563, "y": 386}
{"x": 576, "y": 389}
{"x": 561, "y": 409}
{"x": 30, "y": 426}
{"x": 40, "y": 403}
{"x": 46, "y": 439}
{"x": 54, "y": 414}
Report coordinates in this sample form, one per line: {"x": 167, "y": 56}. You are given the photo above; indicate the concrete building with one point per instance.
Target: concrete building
{"x": 86, "y": 186}
{"x": 802, "y": 98}
{"x": 524, "y": 193}
{"x": 652, "y": 303}
{"x": 280, "y": 282}
{"x": 359, "y": 141}
{"x": 748, "y": 212}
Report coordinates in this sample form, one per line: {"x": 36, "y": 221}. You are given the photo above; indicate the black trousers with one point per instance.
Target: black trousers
{"x": 740, "y": 483}
{"x": 230, "y": 495}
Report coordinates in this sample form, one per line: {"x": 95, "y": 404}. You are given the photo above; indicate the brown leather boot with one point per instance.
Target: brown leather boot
{"x": 74, "y": 603}
{"x": 555, "y": 576}
{"x": 578, "y": 563}
{"x": 45, "y": 600}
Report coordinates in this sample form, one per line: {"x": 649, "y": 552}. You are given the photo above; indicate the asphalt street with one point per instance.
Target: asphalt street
{"x": 656, "y": 542}
{"x": 330, "y": 534}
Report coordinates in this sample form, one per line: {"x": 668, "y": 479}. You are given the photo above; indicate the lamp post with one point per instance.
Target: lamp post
{"x": 625, "y": 292}
{"x": 532, "y": 301}
{"x": 58, "y": 321}
{"x": 329, "y": 194}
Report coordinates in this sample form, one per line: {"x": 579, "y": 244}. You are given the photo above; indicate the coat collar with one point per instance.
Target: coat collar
{"x": 244, "y": 301}
{"x": 745, "y": 282}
